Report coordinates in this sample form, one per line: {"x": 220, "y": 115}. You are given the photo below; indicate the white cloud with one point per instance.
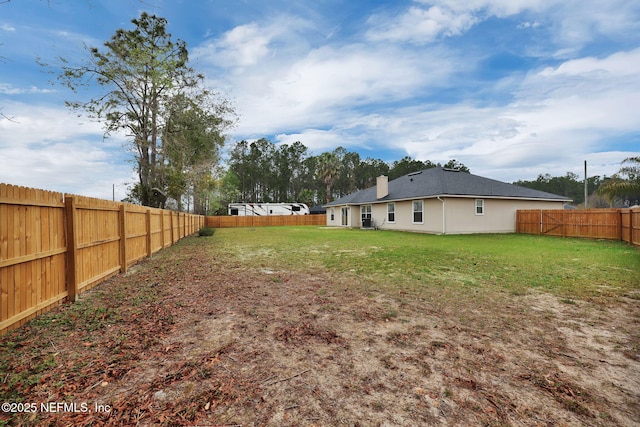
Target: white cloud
{"x": 316, "y": 140}
{"x": 244, "y": 45}
{"x": 616, "y": 65}
{"x": 573, "y": 22}
{"x": 529, "y": 24}
{"x": 578, "y": 22}
{"x": 43, "y": 145}
{"x": 353, "y": 74}
{"x": 35, "y": 124}
{"x": 602, "y": 95}
{"x": 319, "y": 87}
{"x": 429, "y": 20}
{"x": 8, "y": 89}
{"x": 420, "y": 25}
{"x": 560, "y": 115}
{"x": 255, "y": 43}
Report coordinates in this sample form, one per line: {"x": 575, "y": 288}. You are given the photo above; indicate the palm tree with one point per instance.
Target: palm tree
{"x": 625, "y": 183}
{"x": 328, "y": 167}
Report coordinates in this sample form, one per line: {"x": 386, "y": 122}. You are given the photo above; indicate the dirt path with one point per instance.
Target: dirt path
{"x": 207, "y": 340}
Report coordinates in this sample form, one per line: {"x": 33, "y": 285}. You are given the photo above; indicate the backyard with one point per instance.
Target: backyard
{"x": 311, "y": 326}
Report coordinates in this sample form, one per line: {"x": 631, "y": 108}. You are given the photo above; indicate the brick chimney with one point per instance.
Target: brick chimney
{"x": 382, "y": 186}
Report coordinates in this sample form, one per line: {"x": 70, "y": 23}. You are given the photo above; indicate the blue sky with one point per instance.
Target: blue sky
{"x": 511, "y": 88}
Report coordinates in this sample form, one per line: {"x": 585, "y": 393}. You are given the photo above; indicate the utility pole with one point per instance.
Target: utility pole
{"x": 586, "y": 206}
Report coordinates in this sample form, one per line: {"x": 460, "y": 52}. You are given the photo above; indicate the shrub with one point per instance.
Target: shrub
{"x": 206, "y": 231}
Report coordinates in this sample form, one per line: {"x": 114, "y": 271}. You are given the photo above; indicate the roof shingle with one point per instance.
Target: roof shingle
{"x": 439, "y": 181}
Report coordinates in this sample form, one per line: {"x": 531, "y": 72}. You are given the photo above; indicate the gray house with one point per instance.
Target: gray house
{"x": 441, "y": 201}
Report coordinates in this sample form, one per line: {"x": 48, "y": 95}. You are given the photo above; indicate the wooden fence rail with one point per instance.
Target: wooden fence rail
{"x": 54, "y": 246}
{"x": 612, "y": 224}
{"x": 265, "y": 221}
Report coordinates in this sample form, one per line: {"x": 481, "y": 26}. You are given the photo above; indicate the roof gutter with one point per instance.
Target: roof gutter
{"x": 444, "y": 224}
{"x": 461, "y": 196}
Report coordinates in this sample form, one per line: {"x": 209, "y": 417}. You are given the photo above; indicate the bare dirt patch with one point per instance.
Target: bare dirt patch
{"x": 195, "y": 338}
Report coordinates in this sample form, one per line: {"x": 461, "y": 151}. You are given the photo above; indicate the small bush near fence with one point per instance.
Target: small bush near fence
{"x": 206, "y": 231}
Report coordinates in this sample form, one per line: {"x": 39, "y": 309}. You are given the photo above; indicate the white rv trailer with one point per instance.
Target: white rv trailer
{"x": 266, "y": 209}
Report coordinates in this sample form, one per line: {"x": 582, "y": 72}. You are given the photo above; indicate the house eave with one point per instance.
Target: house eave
{"x": 450, "y": 196}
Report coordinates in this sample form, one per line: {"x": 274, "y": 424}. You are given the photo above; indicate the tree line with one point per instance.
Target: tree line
{"x": 622, "y": 189}
{"x": 261, "y": 171}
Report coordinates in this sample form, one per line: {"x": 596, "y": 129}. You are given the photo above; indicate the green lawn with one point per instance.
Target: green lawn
{"x": 511, "y": 263}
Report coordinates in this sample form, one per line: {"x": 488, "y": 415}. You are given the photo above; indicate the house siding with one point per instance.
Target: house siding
{"x": 432, "y": 216}
{"x": 353, "y": 217}
{"x": 499, "y": 214}
{"x": 460, "y": 217}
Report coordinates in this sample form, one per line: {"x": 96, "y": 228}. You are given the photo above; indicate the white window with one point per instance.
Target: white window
{"x": 345, "y": 216}
{"x": 365, "y": 215}
{"x": 333, "y": 214}
{"x": 479, "y": 207}
{"x": 391, "y": 212}
{"x": 418, "y": 208}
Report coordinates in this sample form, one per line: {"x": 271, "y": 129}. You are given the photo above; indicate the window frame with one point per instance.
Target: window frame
{"x": 366, "y": 213}
{"x": 479, "y": 207}
{"x": 414, "y": 211}
{"x": 332, "y": 212}
{"x": 344, "y": 216}
{"x": 391, "y": 212}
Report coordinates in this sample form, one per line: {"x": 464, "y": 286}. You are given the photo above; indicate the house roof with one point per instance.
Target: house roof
{"x": 317, "y": 209}
{"x": 439, "y": 181}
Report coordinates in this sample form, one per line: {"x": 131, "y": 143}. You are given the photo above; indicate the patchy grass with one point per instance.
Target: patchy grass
{"x": 315, "y": 326}
{"x": 571, "y": 268}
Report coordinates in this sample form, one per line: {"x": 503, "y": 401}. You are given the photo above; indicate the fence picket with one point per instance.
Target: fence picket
{"x": 264, "y": 221}
{"x": 55, "y": 246}
{"x": 72, "y": 248}
{"x": 612, "y": 224}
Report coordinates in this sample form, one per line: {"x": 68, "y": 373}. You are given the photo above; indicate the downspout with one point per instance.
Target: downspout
{"x": 444, "y": 224}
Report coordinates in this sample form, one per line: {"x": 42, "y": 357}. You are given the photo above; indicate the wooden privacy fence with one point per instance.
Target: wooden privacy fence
{"x": 265, "y": 221}
{"x": 613, "y": 224}
{"x": 54, "y": 246}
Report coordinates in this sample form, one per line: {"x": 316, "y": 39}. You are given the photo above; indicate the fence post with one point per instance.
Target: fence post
{"x": 540, "y": 230}
{"x": 631, "y": 227}
{"x": 148, "y": 221}
{"x": 72, "y": 247}
{"x": 123, "y": 237}
{"x": 620, "y": 228}
{"x": 162, "y": 229}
